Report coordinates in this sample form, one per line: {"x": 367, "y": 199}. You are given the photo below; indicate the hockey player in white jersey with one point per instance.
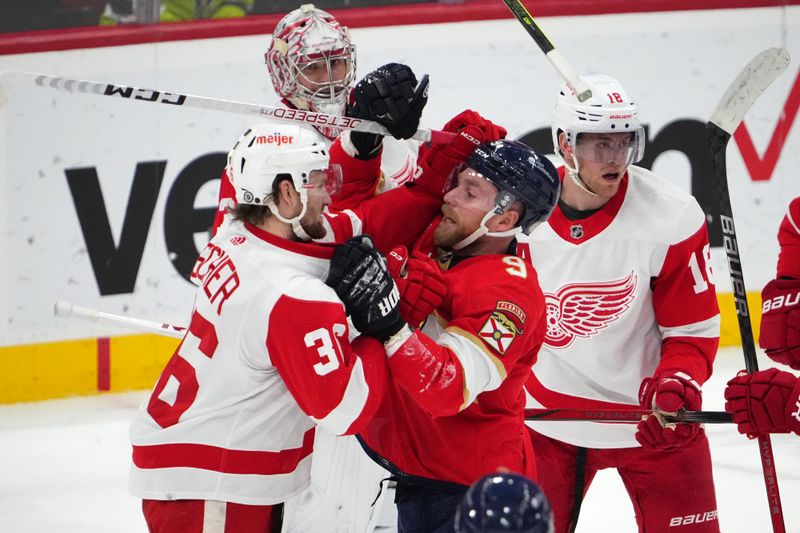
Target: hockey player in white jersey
{"x": 632, "y": 320}
{"x": 227, "y": 433}
{"x": 312, "y": 65}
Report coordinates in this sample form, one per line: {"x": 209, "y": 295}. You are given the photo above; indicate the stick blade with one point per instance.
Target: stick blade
{"x": 753, "y": 80}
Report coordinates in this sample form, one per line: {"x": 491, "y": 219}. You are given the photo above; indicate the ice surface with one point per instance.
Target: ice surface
{"x": 64, "y": 464}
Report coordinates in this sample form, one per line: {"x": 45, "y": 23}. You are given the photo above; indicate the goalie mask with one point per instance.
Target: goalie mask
{"x": 520, "y": 174}
{"x": 609, "y": 110}
{"x": 312, "y": 62}
{"x": 267, "y": 152}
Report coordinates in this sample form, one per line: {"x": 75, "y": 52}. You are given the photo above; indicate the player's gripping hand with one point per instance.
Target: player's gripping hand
{"x": 764, "y": 402}
{"x": 468, "y": 117}
{"x": 780, "y": 321}
{"x": 668, "y": 392}
{"x": 360, "y": 278}
{"x": 420, "y": 283}
{"x": 390, "y": 96}
{"x": 438, "y": 162}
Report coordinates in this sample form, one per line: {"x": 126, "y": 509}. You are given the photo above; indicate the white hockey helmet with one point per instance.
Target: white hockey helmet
{"x": 266, "y": 152}
{"x": 609, "y": 110}
{"x": 304, "y": 39}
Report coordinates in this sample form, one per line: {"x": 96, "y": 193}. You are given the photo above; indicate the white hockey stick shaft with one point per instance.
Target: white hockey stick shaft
{"x": 66, "y": 309}
{"x": 555, "y": 57}
{"x": 11, "y": 80}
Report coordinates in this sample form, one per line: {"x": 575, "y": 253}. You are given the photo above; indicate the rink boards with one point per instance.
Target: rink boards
{"x": 107, "y": 201}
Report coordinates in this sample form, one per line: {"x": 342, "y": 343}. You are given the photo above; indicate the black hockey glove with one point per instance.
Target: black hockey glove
{"x": 360, "y": 278}
{"x": 390, "y": 96}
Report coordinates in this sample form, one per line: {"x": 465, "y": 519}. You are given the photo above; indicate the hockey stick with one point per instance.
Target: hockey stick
{"x": 555, "y": 57}
{"x": 627, "y": 416}
{"x": 740, "y": 96}
{"x": 11, "y": 80}
{"x": 66, "y": 309}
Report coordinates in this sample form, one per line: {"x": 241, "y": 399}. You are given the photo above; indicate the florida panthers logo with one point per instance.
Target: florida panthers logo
{"x": 583, "y": 309}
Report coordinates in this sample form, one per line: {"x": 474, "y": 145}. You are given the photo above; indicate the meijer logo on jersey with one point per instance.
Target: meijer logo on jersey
{"x": 784, "y": 300}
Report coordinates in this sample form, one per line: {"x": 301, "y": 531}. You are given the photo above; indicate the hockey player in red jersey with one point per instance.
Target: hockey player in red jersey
{"x": 768, "y": 401}
{"x": 454, "y": 408}
{"x": 632, "y": 320}
{"x": 312, "y": 64}
{"x": 227, "y": 433}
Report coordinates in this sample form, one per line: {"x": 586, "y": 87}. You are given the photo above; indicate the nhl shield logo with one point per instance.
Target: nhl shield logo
{"x": 576, "y": 231}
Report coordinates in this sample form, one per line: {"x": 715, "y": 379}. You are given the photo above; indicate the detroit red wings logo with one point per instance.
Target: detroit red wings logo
{"x": 583, "y": 309}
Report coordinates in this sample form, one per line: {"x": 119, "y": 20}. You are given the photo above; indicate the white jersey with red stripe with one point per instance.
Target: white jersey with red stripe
{"x": 629, "y": 292}
{"x": 266, "y": 358}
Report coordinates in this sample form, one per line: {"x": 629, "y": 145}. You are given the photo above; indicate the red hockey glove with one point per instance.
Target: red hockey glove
{"x": 780, "y": 321}
{"x": 668, "y": 393}
{"x": 764, "y": 402}
{"x": 439, "y": 161}
{"x": 420, "y": 282}
{"x": 491, "y": 131}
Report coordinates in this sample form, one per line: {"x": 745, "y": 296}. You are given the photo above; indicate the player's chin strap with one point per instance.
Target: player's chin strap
{"x": 483, "y": 230}
{"x": 574, "y": 174}
{"x": 294, "y": 221}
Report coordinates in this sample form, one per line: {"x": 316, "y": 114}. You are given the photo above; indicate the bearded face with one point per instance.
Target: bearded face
{"x": 450, "y": 230}
{"x": 312, "y": 224}
{"x": 464, "y": 207}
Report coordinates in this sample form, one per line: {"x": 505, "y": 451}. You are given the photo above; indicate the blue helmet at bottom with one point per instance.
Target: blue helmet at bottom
{"x": 504, "y": 502}
{"x": 520, "y": 173}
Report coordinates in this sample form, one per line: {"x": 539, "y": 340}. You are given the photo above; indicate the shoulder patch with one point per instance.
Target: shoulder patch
{"x": 512, "y": 308}
{"x": 499, "y": 331}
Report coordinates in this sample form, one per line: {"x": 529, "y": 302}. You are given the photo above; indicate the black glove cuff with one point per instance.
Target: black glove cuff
{"x": 367, "y": 145}
{"x": 384, "y": 334}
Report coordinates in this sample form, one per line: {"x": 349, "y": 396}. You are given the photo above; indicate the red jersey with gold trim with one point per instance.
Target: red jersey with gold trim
{"x": 454, "y": 412}
{"x": 265, "y": 359}
{"x": 629, "y": 292}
